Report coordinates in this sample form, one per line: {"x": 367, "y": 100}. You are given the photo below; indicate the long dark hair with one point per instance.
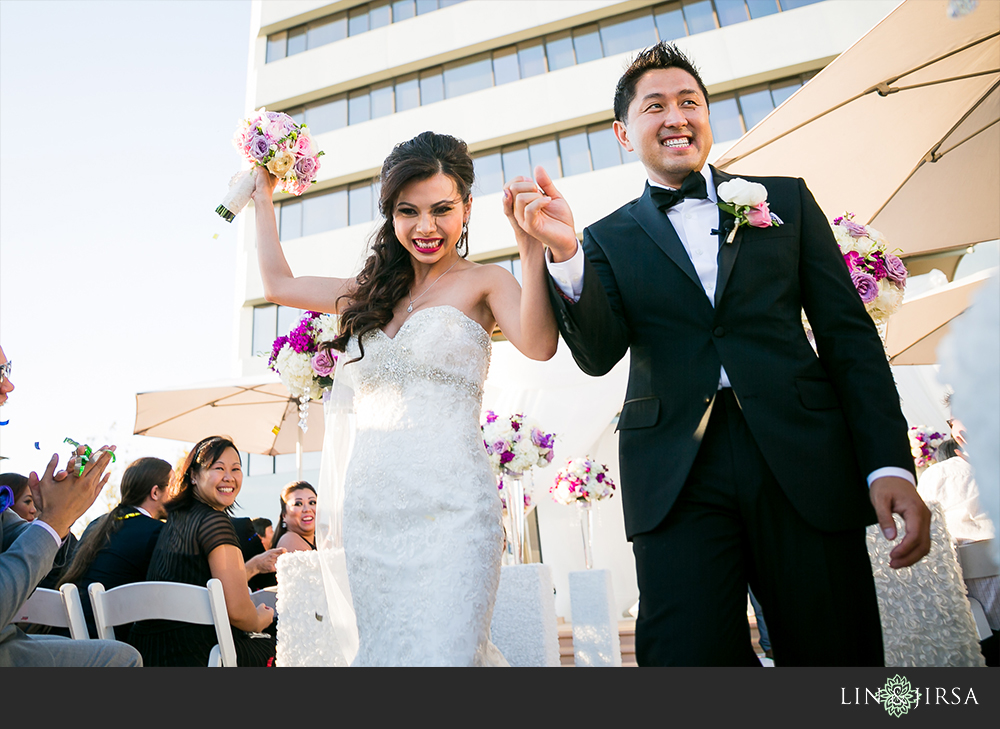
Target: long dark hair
{"x": 137, "y": 482}
{"x": 388, "y": 273}
{"x": 204, "y": 454}
{"x": 281, "y": 529}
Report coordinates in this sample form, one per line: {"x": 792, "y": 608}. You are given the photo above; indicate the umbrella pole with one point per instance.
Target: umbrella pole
{"x": 298, "y": 453}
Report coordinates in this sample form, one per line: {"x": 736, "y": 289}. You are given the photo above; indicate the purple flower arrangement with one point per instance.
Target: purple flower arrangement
{"x": 300, "y": 359}
{"x": 924, "y": 443}
{"x": 878, "y": 276}
{"x": 582, "y": 479}
{"x": 516, "y": 445}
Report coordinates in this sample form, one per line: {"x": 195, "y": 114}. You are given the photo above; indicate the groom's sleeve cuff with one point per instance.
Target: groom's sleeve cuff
{"x": 567, "y": 275}
{"x": 890, "y": 471}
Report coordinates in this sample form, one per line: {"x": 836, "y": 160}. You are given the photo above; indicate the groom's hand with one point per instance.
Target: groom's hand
{"x": 542, "y": 212}
{"x": 893, "y": 495}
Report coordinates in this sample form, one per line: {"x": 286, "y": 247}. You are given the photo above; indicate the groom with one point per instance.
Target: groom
{"x": 745, "y": 457}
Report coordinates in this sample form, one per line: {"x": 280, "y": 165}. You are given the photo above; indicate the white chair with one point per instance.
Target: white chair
{"x": 979, "y": 567}
{"x": 166, "y": 601}
{"x": 56, "y": 608}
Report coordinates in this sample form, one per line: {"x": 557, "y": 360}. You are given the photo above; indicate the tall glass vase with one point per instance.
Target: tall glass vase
{"x": 585, "y": 509}
{"x": 513, "y": 487}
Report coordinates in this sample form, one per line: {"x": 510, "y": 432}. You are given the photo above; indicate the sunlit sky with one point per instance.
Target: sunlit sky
{"x": 115, "y": 127}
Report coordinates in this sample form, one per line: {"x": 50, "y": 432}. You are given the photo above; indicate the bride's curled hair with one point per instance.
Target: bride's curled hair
{"x": 388, "y": 274}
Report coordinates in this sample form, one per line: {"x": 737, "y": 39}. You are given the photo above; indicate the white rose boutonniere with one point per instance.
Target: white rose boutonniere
{"x": 747, "y": 202}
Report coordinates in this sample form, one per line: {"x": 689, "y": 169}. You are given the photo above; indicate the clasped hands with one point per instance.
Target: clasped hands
{"x": 539, "y": 213}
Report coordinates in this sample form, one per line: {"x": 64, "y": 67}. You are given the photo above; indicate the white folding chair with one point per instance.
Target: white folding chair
{"x": 166, "y": 601}
{"x": 56, "y": 608}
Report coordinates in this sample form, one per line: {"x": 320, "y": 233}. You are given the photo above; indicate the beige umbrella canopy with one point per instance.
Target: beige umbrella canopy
{"x": 260, "y": 415}
{"x": 902, "y": 129}
{"x": 914, "y": 332}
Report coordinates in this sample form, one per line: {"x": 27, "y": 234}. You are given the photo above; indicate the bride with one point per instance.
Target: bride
{"x": 422, "y": 527}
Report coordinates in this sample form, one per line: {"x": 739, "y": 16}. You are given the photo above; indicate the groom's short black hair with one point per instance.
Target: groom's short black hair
{"x": 662, "y": 55}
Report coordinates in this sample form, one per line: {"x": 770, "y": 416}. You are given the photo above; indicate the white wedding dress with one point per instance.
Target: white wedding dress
{"x": 422, "y": 525}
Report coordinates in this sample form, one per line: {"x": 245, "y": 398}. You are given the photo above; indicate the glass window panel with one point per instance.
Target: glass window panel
{"x": 319, "y": 213}
{"x": 516, "y": 161}
{"x": 360, "y": 201}
{"x": 755, "y": 106}
{"x": 725, "y": 120}
{"x": 298, "y": 115}
{"x": 328, "y": 30}
{"x": 407, "y": 93}
{"x": 505, "y": 67}
{"x": 587, "y": 43}
{"x": 545, "y": 153}
{"x": 265, "y": 327}
{"x": 288, "y": 318}
{"x": 468, "y": 76}
{"x": 781, "y": 91}
{"x": 574, "y": 153}
{"x": 296, "y": 40}
{"x": 291, "y": 220}
{"x": 431, "y": 86}
{"x": 603, "y": 147}
{"x": 380, "y": 14}
{"x": 327, "y": 116}
{"x": 628, "y": 34}
{"x": 531, "y": 59}
{"x": 760, "y": 8}
{"x": 357, "y": 20}
{"x": 559, "y": 50}
{"x": 426, "y": 6}
{"x": 731, "y": 11}
{"x": 442, "y": 4}
{"x": 382, "y": 100}
{"x": 489, "y": 173}
{"x": 670, "y": 21}
{"x": 403, "y": 9}
{"x": 792, "y": 4}
{"x": 699, "y": 16}
{"x": 359, "y": 107}
{"x": 276, "y": 46}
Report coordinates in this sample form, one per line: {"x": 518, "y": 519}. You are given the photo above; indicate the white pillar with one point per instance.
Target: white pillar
{"x": 524, "y": 624}
{"x": 595, "y": 624}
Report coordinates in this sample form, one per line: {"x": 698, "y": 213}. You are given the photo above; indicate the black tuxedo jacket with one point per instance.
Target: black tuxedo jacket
{"x": 823, "y": 422}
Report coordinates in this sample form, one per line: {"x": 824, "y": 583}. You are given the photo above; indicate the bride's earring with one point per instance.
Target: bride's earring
{"x": 463, "y": 240}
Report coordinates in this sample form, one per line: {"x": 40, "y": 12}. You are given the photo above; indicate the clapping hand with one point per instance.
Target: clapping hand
{"x": 64, "y": 497}
{"x": 540, "y": 211}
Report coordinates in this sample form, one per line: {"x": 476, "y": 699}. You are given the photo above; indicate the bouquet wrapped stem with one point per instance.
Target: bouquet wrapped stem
{"x": 241, "y": 187}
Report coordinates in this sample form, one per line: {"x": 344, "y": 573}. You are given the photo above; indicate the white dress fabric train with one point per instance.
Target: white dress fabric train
{"x": 422, "y": 524}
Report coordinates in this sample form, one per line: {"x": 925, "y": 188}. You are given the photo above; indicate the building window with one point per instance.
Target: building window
{"x": 739, "y": 111}
{"x": 271, "y": 321}
{"x": 667, "y": 21}
{"x": 328, "y": 210}
{"x": 359, "y": 19}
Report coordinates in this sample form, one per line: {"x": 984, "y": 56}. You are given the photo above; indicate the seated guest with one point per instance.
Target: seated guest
{"x": 265, "y": 531}
{"x": 199, "y": 543}
{"x": 296, "y": 530}
{"x": 24, "y": 507}
{"x": 116, "y": 548}
{"x": 260, "y": 561}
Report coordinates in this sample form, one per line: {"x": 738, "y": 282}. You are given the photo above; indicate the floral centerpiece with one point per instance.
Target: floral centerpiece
{"x": 924, "y": 443}
{"x": 303, "y": 363}
{"x": 274, "y": 140}
{"x": 515, "y": 446}
{"x": 583, "y": 481}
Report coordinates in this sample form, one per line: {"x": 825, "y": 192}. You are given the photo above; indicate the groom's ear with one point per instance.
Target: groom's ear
{"x": 621, "y": 133}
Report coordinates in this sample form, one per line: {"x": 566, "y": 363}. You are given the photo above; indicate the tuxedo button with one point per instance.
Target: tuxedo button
{"x": 719, "y": 331}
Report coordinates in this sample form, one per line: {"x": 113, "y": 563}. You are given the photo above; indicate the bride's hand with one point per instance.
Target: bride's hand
{"x": 543, "y": 213}
{"x": 264, "y": 184}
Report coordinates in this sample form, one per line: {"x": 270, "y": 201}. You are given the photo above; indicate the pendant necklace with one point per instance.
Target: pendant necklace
{"x": 409, "y": 308}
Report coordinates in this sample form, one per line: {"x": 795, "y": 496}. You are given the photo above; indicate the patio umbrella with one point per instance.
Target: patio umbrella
{"x": 901, "y": 129}
{"x": 914, "y": 332}
{"x": 259, "y": 414}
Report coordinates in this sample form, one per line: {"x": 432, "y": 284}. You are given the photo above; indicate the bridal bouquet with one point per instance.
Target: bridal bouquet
{"x": 516, "y": 445}
{"x": 271, "y": 139}
{"x": 924, "y": 443}
{"x": 582, "y": 479}
{"x": 306, "y": 368}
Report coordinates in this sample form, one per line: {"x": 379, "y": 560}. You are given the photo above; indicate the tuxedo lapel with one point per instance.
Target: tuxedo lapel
{"x": 727, "y": 251}
{"x": 658, "y": 227}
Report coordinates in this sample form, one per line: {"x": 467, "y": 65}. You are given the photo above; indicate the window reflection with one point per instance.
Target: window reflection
{"x": 603, "y": 147}
{"x": 531, "y": 59}
{"x": 725, "y": 120}
{"x": 699, "y": 16}
{"x": 629, "y": 34}
{"x": 731, "y": 12}
{"x": 468, "y": 76}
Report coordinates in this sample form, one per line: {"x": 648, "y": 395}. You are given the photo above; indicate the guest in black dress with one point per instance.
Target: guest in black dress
{"x": 116, "y": 548}
{"x": 296, "y": 530}
{"x": 199, "y": 543}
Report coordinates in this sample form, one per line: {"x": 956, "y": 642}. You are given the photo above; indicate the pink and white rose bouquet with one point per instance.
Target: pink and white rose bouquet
{"x": 878, "y": 276}
{"x": 516, "y": 445}
{"x": 582, "y": 479}
{"x": 304, "y": 365}
{"x": 274, "y": 140}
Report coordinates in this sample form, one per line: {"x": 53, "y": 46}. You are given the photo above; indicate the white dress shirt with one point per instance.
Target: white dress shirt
{"x": 693, "y": 220}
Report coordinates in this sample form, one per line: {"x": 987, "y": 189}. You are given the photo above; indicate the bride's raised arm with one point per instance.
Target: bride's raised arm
{"x": 315, "y": 293}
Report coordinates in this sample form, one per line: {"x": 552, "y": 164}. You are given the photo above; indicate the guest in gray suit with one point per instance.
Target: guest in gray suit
{"x": 28, "y": 548}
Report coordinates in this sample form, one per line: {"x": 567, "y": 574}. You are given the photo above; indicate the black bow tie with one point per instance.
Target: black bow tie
{"x": 693, "y": 186}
